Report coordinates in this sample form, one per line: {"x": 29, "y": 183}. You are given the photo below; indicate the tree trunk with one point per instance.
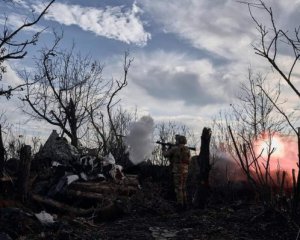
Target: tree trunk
{"x": 74, "y": 140}
{"x": 73, "y": 123}
{"x": 204, "y": 169}
{"x": 24, "y": 172}
{"x": 2, "y": 153}
{"x": 296, "y": 184}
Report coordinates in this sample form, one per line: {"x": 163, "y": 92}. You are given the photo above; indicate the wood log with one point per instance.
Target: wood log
{"x": 88, "y": 195}
{"x": 62, "y": 207}
{"x": 103, "y": 188}
{"x": 131, "y": 181}
{"x": 131, "y": 176}
{"x": 24, "y": 172}
{"x": 92, "y": 185}
{"x": 109, "y": 212}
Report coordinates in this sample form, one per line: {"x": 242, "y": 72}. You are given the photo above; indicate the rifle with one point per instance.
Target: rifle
{"x": 169, "y": 145}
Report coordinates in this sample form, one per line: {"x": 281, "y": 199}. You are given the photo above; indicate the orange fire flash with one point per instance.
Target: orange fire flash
{"x": 284, "y": 151}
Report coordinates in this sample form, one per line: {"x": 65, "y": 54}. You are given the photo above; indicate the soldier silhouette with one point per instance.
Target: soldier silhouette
{"x": 179, "y": 156}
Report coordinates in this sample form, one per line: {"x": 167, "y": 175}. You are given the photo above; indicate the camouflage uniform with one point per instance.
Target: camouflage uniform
{"x": 179, "y": 156}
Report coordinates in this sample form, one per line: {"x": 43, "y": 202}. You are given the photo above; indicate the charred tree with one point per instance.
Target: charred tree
{"x": 2, "y": 153}
{"x": 24, "y": 172}
{"x": 71, "y": 109}
{"x": 202, "y": 192}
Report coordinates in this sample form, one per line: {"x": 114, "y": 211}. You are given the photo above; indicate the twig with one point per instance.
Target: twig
{"x": 278, "y": 109}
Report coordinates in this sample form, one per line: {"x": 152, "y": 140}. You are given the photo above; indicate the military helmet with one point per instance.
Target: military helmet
{"x": 182, "y": 139}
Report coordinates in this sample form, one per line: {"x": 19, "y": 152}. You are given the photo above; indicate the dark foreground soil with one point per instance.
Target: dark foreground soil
{"x": 148, "y": 215}
{"x": 236, "y": 221}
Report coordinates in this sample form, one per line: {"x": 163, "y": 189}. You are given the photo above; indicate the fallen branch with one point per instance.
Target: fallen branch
{"x": 62, "y": 206}
{"x": 111, "y": 211}
{"x": 88, "y": 195}
{"x": 103, "y": 188}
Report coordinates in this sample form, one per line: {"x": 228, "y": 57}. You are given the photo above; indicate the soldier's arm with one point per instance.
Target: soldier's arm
{"x": 168, "y": 153}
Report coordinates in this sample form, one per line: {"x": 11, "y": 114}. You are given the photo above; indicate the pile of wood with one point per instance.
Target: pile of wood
{"x": 80, "y": 198}
{"x": 101, "y": 196}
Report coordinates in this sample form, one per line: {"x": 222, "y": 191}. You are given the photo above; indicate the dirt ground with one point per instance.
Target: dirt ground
{"x": 237, "y": 221}
{"x": 148, "y": 215}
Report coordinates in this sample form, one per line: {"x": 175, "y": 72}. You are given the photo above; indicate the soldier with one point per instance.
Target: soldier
{"x": 179, "y": 157}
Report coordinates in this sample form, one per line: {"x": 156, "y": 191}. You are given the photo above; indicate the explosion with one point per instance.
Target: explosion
{"x": 270, "y": 145}
{"x": 281, "y": 149}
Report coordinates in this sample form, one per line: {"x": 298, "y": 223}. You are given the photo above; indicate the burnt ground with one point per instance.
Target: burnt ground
{"x": 148, "y": 216}
{"x": 239, "y": 221}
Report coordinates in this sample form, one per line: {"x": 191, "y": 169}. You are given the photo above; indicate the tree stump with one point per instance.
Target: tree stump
{"x": 202, "y": 192}
{"x": 24, "y": 172}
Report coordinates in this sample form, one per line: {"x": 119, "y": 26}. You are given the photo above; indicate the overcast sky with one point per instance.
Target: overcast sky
{"x": 189, "y": 55}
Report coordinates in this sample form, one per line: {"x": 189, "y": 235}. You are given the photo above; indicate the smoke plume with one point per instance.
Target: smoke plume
{"x": 140, "y": 139}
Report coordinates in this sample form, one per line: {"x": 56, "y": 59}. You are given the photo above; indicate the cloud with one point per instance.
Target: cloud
{"x": 15, "y": 21}
{"x": 116, "y": 23}
{"x": 219, "y": 27}
{"x": 152, "y": 90}
{"x": 171, "y": 76}
{"x": 225, "y": 29}
{"x": 176, "y": 85}
{"x": 10, "y": 77}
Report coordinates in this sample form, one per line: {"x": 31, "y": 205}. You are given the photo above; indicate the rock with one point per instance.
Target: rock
{"x": 45, "y": 218}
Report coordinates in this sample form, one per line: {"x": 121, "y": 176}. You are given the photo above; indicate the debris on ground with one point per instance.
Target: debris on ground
{"x": 80, "y": 195}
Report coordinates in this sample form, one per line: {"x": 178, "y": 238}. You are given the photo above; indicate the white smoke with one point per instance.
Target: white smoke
{"x": 140, "y": 139}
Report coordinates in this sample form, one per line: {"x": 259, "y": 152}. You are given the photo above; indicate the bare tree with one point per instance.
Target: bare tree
{"x": 112, "y": 125}
{"x": 252, "y": 114}
{"x": 104, "y": 133}
{"x": 253, "y": 118}
{"x": 271, "y": 41}
{"x": 254, "y": 111}
{"x": 11, "y": 47}
{"x": 120, "y": 84}
{"x": 65, "y": 86}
